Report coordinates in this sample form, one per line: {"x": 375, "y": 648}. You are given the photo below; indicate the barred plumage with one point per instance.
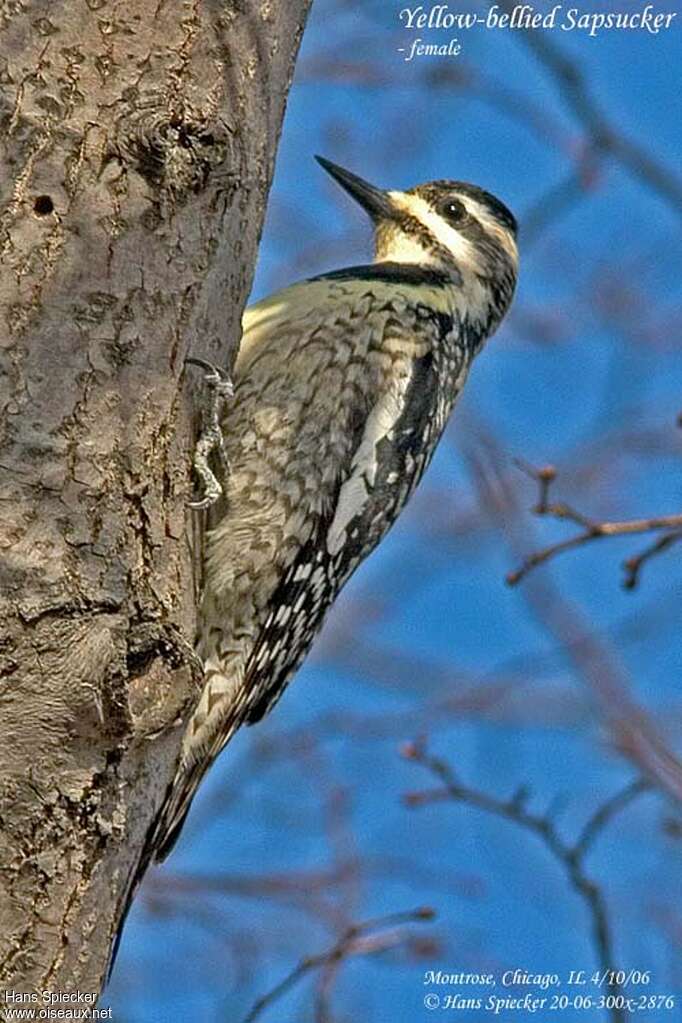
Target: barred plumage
{"x": 343, "y": 386}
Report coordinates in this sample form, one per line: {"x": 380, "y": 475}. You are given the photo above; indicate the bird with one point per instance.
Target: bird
{"x": 342, "y": 387}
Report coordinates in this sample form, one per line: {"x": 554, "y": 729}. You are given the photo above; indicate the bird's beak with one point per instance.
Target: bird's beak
{"x": 375, "y": 201}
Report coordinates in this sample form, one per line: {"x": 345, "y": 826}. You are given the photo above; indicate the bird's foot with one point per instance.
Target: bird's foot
{"x": 220, "y": 388}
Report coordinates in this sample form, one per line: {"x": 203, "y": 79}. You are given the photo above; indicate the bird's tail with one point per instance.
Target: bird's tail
{"x": 161, "y": 836}
{"x": 218, "y": 724}
{"x": 169, "y": 823}
{"x": 219, "y": 714}
{"x": 171, "y": 818}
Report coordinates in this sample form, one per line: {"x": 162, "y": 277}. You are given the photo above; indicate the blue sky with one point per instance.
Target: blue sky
{"x": 586, "y": 374}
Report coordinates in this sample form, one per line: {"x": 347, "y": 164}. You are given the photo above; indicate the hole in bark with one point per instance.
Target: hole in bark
{"x": 139, "y": 661}
{"x": 43, "y": 205}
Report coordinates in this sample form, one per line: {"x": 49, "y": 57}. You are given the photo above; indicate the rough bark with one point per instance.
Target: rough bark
{"x": 138, "y": 142}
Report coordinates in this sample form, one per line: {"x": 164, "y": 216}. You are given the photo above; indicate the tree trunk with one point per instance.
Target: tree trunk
{"x": 138, "y": 143}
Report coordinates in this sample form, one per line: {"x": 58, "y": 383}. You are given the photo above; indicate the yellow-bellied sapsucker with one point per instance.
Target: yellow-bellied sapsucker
{"x": 342, "y": 387}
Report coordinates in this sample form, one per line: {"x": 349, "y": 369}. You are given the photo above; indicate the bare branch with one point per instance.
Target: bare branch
{"x": 359, "y": 939}
{"x": 635, "y": 734}
{"x": 592, "y": 530}
{"x": 570, "y": 856}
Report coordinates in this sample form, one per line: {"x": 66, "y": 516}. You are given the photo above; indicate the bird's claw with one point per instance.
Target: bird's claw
{"x": 211, "y": 437}
{"x": 215, "y": 378}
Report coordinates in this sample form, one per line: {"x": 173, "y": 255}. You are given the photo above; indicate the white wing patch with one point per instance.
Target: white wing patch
{"x": 356, "y": 490}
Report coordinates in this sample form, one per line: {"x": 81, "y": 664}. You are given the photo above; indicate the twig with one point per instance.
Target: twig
{"x": 592, "y": 530}
{"x": 356, "y": 940}
{"x": 605, "y": 813}
{"x": 570, "y": 856}
{"x": 633, "y": 565}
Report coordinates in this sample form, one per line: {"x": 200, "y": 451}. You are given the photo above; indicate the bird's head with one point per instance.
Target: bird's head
{"x": 449, "y": 226}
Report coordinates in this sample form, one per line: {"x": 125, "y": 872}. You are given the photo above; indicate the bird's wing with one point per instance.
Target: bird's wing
{"x": 384, "y": 281}
{"x": 263, "y": 320}
{"x": 386, "y": 464}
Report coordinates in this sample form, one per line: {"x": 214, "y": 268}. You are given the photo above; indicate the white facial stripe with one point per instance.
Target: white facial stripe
{"x": 492, "y": 226}
{"x": 462, "y": 250}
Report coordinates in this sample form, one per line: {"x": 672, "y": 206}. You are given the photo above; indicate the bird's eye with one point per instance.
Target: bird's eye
{"x": 453, "y": 210}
